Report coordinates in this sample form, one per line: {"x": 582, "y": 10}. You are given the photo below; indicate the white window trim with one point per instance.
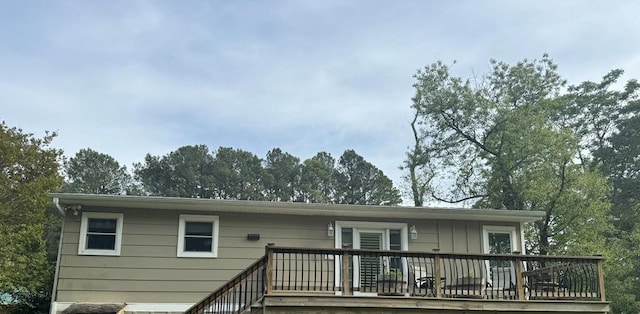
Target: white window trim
{"x": 364, "y": 225}
{"x": 84, "y": 223}
{"x": 198, "y": 218}
{"x": 499, "y": 229}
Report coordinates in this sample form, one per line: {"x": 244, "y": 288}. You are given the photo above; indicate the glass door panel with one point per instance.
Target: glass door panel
{"x": 501, "y": 272}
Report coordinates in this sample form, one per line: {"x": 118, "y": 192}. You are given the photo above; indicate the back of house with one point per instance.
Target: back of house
{"x": 156, "y": 254}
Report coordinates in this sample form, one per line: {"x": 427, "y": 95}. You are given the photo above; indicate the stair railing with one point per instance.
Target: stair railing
{"x": 238, "y": 294}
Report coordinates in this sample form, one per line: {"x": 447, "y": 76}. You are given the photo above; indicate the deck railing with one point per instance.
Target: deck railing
{"x": 434, "y": 274}
{"x": 285, "y": 270}
{"x": 238, "y": 294}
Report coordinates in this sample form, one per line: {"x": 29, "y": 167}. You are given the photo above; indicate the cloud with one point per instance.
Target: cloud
{"x": 130, "y": 78}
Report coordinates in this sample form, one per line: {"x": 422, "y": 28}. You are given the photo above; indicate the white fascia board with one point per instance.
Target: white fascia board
{"x": 294, "y": 208}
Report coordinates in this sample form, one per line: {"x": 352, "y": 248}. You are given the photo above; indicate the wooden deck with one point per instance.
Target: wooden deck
{"x": 306, "y": 280}
{"x": 319, "y": 304}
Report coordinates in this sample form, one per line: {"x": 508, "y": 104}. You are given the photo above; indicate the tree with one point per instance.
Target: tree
{"x": 96, "y": 173}
{"x": 362, "y": 183}
{"x": 29, "y": 173}
{"x": 420, "y": 170}
{"x": 607, "y": 122}
{"x": 594, "y": 110}
{"x": 238, "y": 174}
{"x": 496, "y": 141}
{"x": 185, "y": 172}
{"x": 512, "y": 139}
{"x": 317, "y": 179}
{"x": 282, "y": 175}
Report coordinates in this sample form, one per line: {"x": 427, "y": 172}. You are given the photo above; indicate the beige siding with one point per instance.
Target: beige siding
{"x": 148, "y": 270}
{"x": 427, "y": 236}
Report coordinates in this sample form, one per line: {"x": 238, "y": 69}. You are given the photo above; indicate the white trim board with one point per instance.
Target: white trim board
{"x": 58, "y": 307}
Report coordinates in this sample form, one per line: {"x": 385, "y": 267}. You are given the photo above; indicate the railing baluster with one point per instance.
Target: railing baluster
{"x": 282, "y": 271}
{"x": 322, "y": 261}
{"x": 315, "y": 271}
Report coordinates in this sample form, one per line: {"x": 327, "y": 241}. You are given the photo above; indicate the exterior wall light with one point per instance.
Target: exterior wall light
{"x": 413, "y": 232}
{"x": 330, "y": 230}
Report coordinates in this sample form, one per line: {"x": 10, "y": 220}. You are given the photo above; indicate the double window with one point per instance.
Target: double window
{"x": 100, "y": 234}
{"x": 198, "y": 236}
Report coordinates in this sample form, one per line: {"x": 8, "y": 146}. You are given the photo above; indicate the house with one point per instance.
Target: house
{"x": 162, "y": 255}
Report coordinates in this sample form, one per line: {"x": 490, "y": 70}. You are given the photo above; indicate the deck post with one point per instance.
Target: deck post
{"x": 519, "y": 276}
{"x": 601, "y": 278}
{"x": 345, "y": 273}
{"x": 437, "y": 283}
{"x": 269, "y": 268}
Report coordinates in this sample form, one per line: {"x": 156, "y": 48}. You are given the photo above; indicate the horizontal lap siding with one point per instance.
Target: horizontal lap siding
{"x": 148, "y": 270}
{"x": 427, "y": 235}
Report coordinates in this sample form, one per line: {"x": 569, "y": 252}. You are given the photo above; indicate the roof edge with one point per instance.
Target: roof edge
{"x": 294, "y": 208}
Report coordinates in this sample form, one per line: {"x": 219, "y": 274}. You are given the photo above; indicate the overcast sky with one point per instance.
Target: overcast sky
{"x": 127, "y": 78}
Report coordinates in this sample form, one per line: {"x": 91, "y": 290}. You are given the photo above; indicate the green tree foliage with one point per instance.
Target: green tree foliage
{"x": 595, "y": 110}
{"x": 96, "y": 173}
{"x": 186, "y": 172}
{"x": 495, "y": 139}
{"x": 362, "y": 183}
{"x": 318, "y": 179}
{"x": 282, "y": 175}
{"x": 235, "y": 174}
{"x": 516, "y": 138}
{"x": 29, "y": 172}
{"x": 238, "y": 174}
{"x": 608, "y": 123}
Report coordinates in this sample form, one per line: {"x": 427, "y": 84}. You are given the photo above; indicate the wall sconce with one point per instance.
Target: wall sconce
{"x": 330, "y": 230}
{"x": 413, "y": 232}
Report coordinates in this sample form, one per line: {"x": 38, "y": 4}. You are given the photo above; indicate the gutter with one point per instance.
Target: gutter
{"x": 75, "y": 200}
{"x": 54, "y": 291}
{"x": 56, "y": 202}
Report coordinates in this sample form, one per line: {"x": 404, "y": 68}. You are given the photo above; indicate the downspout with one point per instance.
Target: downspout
{"x": 54, "y": 291}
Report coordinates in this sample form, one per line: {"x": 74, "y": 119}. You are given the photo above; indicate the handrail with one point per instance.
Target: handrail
{"x": 436, "y": 274}
{"x": 421, "y": 253}
{"x": 439, "y": 275}
{"x": 238, "y": 294}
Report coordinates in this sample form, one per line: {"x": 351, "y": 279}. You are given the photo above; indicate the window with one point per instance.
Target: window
{"x": 499, "y": 239}
{"x": 198, "y": 236}
{"x": 100, "y": 234}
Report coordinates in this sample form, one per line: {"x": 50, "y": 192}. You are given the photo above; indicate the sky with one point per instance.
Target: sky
{"x": 130, "y": 78}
